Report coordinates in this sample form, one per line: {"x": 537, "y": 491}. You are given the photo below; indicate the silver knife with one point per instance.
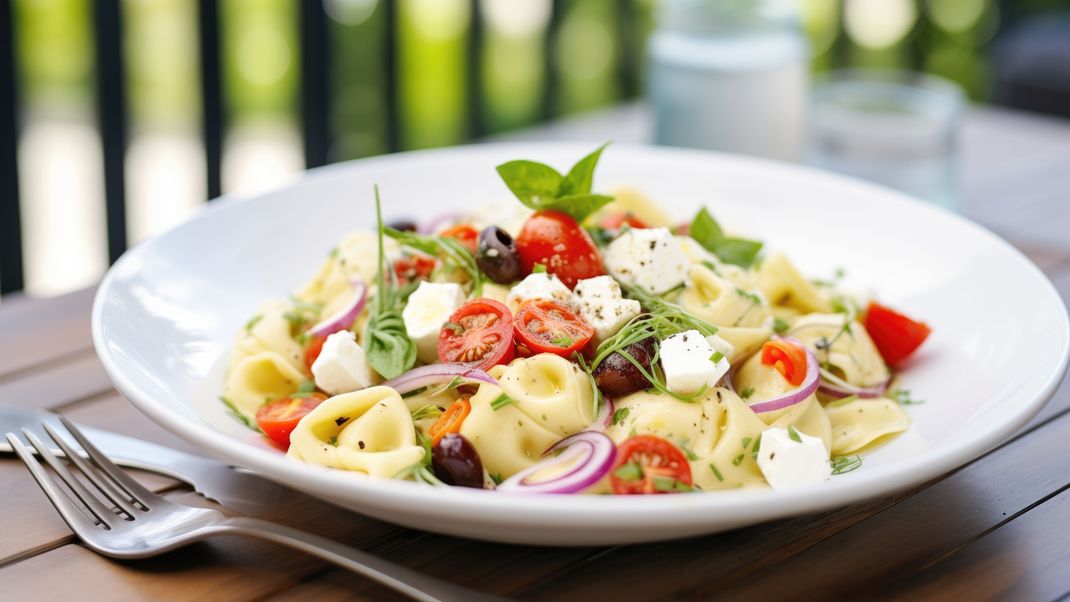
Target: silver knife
{"x": 240, "y": 491}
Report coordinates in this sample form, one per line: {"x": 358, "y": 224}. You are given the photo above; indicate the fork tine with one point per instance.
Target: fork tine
{"x": 99, "y": 510}
{"x": 100, "y": 481}
{"x": 135, "y": 490}
{"x": 74, "y": 518}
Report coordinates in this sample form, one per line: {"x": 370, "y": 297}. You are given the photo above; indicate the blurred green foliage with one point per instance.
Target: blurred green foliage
{"x": 946, "y": 37}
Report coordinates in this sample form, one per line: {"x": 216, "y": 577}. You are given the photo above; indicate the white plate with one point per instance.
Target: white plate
{"x": 167, "y": 312}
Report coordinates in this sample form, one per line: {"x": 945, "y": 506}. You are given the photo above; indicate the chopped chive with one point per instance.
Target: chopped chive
{"x": 253, "y": 321}
{"x": 501, "y": 401}
{"x": 794, "y": 434}
{"x": 716, "y": 357}
{"x": 629, "y": 472}
{"x": 620, "y": 416}
{"x": 717, "y": 473}
{"x": 538, "y": 269}
{"x": 746, "y": 442}
{"x": 737, "y": 460}
{"x": 842, "y": 464}
{"x": 747, "y": 393}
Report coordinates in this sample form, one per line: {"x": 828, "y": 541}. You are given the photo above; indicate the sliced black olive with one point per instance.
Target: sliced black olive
{"x": 455, "y": 462}
{"x": 497, "y": 255}
{"x": 405, "y": 225}
{"x": 617, "y": 377}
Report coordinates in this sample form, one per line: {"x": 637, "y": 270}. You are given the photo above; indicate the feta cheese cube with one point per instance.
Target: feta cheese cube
{"x": 540, "y": 285}
{"x": 429, "y": 307}
{"x": 791, "y": 459}
{"x": 601, "y": 303}
{"x": 650, "y": 258}
{"x": 687, "y": 362}
{"x": 341, "y": 366}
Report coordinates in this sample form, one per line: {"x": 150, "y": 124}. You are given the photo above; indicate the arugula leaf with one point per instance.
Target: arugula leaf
{"x": 389, "y": 349}
{"x": 540, "y": 186}
{"x": 737, "y": 251}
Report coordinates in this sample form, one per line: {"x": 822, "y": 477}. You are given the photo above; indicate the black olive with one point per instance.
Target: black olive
{"x": 497, "y": 255}
{"x": 456, "y": 462}
{"x": 617, "y": 377}
{"x": 405, "y": 225}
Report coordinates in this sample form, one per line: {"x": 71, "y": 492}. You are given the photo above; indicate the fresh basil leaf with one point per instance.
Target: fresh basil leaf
{"x": 579, "y": 206}
{"x": 532, "y": 182}
{"x": 581, "y": 176}
{"x": 387, "y": 345}
{"x": 737, "y": 251}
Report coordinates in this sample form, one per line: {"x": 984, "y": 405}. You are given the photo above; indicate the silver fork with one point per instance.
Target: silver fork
{"x": 126, "y": 520}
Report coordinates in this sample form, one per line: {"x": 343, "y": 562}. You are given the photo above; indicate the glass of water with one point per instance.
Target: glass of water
{"x": 896, "y": 128}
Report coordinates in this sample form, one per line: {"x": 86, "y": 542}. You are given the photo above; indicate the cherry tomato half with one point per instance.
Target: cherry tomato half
{"x": 555, "y": 240}
{"x": 315, "y": 347}
{"x": 545, "y": 326}
{"x": 896, "y": 336}
{"x": 450, "y": 421}
{"x": 416, "y": 267}
{"x": 279, "y": 418}
{"x": 788, "y": 358}
{"x": 465, "y": 233}
{"x": 479, "y": 333}
{"x": 649, "y": 464}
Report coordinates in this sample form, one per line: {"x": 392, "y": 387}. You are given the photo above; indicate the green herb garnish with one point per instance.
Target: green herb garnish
{"x": 501, "y": 401}
{"x": 240, "y": 416}
{"x": 747, "y": 393}
{"x": 497, "y": 478}
{"x": 707, "y": 232}
{"x": 253, "y": 321}
{"x": 716, "y": 357}
{"x": 842, "y": 464}
{"x": 629, "y": 471}
{"x": 737, "y": 460}
{"x": 903, "y": 398}
{"x": 780, "y": 325}
{"x": 794, "y": 434}
{"x": 716, "y": 473}
{"x": 563, "y": 341}
{"x": 387, "y": 345}
{"x": 620, "y": 416}
{"x": 427, "y": 411}
{"x": 540, "y": 186}
{"x": 333, "y": 440}
{"x": 538, "y": 268}
{"x": 306, "y": 388}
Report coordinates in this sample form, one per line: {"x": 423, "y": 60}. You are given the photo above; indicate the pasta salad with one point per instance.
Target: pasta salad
{"x": 571, "y": 343}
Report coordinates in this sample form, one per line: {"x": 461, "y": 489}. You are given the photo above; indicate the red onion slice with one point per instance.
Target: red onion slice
{"x": 605, "y": 415}
{"x": 437, "y": 374}
{"x": 590, "y": 455}
{"x": 798, "y": 394}
{"x": 344, "y": 317}
{"x": 839, "y": 388}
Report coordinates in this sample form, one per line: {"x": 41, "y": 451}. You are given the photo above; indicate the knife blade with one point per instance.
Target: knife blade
{"x": 240, "y": 491}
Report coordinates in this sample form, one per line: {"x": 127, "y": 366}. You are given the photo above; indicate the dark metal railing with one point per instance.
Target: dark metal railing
{"x": 315, "y": 99}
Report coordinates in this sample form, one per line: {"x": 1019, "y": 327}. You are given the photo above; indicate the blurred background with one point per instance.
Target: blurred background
{"x": 196, "y": 98}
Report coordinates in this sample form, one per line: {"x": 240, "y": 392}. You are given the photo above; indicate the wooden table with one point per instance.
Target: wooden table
{"x": 996, "y": 528}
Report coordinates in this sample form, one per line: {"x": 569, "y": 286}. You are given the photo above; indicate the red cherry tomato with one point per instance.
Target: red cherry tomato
{"x": 279, "y": 418}
{"x": 465, "y": 233}
{"x": 614, "y": 221}
{"x": 416, "y": 267}
{"x": 896, "y": 336}
{"x": 315, "y": 347}
{"x": 788, "y": 358}
{"x": 649, "y": 464}
{"x": 479, "y": 333}
{"x": 545, "y": 326}
{"x": 556, "y": 241}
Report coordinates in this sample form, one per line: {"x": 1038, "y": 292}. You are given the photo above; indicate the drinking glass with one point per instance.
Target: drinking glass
{"x": 896, "y": 128}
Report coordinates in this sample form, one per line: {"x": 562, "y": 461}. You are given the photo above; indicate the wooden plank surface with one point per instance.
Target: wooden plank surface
{"x": 994, "y": 529}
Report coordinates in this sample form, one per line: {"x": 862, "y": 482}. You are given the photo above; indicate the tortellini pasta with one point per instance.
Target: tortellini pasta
{"x": 858, "y": 423}
{"x": 843, "y": 346}
{"x": 368, "y": 431}
{"x": 550, "y": 398}
{"x": 265, "y": 362}
{"x": 720, "y": 302}
{"x": 784, "y": 286}
{"x": 356, "y": 256}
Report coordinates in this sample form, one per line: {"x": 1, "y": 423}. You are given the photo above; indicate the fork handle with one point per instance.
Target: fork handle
{"x": 414, "y": 584}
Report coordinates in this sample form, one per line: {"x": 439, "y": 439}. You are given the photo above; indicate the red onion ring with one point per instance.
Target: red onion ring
{"x": 344, "y": 317}
{"x": 605, "y": 415}
{"x": 436, "y": 374}
{"x": 838, "y": 388}
{"x": 805, "y": 389}
{"x": 593, "y": 453}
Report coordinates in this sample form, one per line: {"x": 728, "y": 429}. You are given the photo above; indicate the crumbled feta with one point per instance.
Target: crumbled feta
{"x": 603, "y": 306}
{"x": 341, "y": 366}
{"x": 687, "y": 362}
{"x": 650, "y": 258}
{"x": 540, "y": 285}
{"x": 429, "y": 307}
{"x": 787, "y": 463}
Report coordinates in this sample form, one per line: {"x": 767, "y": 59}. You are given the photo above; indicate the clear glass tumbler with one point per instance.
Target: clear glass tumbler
{"x": 896, "y": 128}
